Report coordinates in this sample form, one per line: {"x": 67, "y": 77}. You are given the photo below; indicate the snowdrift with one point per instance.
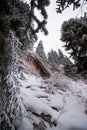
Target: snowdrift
{"x": 57, "y": 103}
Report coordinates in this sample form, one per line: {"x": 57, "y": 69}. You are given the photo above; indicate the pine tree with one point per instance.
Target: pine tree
{"x": 53, "y": 60}
{"x": 40, "y": 51}
{"x": 74, "y": 34}
{"x": 16, "y": 24}
{"x": 63, "y": 4}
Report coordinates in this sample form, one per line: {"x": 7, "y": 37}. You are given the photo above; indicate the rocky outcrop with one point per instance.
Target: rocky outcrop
{"x": 36, "y": 65}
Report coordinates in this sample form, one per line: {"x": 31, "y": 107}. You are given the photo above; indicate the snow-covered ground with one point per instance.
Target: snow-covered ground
{"x": 58, "y": 103}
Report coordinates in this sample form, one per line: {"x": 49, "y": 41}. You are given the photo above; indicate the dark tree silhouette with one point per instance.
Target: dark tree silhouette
{"x": 74, "y": 34}
{"x": 63, "y": 4}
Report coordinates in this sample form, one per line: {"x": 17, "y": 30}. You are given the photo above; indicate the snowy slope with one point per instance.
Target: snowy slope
{"x": 58, "y": 103}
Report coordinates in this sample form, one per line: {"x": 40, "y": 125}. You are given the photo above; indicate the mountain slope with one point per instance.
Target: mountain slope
{"x": 58, "y": 103}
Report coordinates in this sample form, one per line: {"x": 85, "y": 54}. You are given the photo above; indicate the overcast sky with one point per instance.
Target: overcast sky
{"x": 54, "y": 22}
{"x": 52, "y": 41}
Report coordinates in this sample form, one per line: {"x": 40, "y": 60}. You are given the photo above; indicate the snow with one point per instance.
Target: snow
{"x": 74, "y": 113}
{"x": 65, "y": 106}
{"x": 57, "y": 102}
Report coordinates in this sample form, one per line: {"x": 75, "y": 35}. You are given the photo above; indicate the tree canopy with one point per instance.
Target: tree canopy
{"x": 74, "y": 34}
{"x": 63, "y": 4}
{"x": 21, "y": 12}
{"x": 40, "y": 51}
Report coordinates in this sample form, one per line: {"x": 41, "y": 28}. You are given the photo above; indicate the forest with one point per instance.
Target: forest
{"x": 39, "y": 91}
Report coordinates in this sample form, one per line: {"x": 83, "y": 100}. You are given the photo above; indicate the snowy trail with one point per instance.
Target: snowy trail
{"x": 58, "y": 109}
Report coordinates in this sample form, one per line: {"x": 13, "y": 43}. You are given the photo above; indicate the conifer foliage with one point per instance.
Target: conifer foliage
{"x": 19, "y": 10}
{"x": 40, "y": 51}
{"x": 63, "y": 4}
{"x": 74, "y": 34}
{"x": 16, "y": 28}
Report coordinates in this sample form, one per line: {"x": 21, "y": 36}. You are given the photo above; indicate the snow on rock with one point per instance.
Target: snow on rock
{"x": 58, "y": 103}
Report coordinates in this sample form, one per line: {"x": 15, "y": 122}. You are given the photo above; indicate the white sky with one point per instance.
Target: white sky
{"x": 54, "y": 22}
{"x": 52, "y": 41}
